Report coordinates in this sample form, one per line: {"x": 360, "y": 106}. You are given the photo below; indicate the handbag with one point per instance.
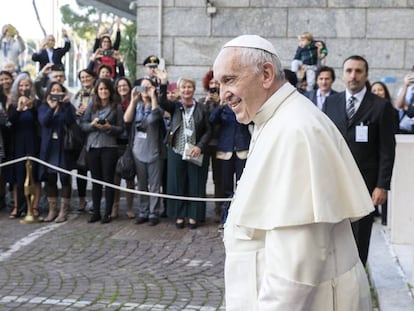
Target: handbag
{"x": 81, "y": 161}
{"x": 125, "y": 166}
{"x": 186, "y": 155}
{"x": 74, "y": 137}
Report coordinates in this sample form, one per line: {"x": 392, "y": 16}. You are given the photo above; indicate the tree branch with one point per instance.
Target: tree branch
{"x": 38, "y": 18}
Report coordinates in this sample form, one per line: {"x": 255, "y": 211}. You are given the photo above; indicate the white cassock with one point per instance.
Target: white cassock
{"x": 288, "y": 239}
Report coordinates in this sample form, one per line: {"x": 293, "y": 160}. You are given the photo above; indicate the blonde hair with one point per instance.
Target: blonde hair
{"x": 306, "y": 35}
{"x": 186, "y": 79}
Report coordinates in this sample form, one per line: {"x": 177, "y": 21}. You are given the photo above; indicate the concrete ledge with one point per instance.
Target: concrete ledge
{"x": 387, "y": 273}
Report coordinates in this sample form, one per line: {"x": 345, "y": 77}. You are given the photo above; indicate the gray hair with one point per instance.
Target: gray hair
{"x": 14, "y": 91}
{"x": 257, "y": 57}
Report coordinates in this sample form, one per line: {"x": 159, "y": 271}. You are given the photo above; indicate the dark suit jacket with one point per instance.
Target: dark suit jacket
{"x": 312, "y": 96}
{"x": 57, "y": 55}
{"x": 375, "y": 158}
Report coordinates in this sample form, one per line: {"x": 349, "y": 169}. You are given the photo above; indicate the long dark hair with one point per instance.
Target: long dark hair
{"x": 50, "y": 86}
{"x": 97, "y": 103}
{"x": 386, "y": 91}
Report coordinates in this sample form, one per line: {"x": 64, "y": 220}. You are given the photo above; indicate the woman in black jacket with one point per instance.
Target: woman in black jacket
{"x": 189, "y": 126}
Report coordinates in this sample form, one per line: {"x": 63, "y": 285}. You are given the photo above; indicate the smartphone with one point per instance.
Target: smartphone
{"x": 107, "y": 52}
{"x": 57, "y": 97}
{"x": 27, "y": 93}
{"x": 213, "y": 90}
{"x": 101, "y": 121}
{"x": 140, "y": 89}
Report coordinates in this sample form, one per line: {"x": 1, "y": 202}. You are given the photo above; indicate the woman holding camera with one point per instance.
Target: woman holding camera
{"x": 103, "y": 123}
{"x": 24, "y": 140}
{"x": 53, "y": 114}
{"x": 105, "y": 55}
{"x": 148, "y": 149}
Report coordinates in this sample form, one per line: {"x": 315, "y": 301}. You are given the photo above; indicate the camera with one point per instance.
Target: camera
{"x": 141, "y": 127}
{"x": 141, "y": 89}
{"x": 27, "y": 93}
{"x": 213, "y": 90}
{"x": 107, "y": 52}
{"x": 101, "y": 121}
{"x": 57, "y": 97}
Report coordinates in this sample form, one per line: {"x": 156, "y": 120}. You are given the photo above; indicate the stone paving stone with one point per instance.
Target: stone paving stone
{"x": 119, "y": 266}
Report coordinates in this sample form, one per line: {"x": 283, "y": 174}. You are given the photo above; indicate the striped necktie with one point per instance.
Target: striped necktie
{"x": 350, "y": 107}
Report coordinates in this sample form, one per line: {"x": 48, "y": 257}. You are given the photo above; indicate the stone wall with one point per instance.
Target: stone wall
{"x": 379, "y": 30}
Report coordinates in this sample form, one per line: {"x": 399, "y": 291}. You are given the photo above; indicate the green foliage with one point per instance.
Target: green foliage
{"x": 128, "y": 49}
{"x": 85, "y": 22}
{"x": 84, "y": 25}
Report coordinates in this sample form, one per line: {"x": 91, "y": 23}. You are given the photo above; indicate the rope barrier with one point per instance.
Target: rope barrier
{"x": 103, "y": 183}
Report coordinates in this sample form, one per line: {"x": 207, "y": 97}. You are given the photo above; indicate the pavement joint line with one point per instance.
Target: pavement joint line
{"x": 28, "y": 240}
{"x": 84, "y": 303}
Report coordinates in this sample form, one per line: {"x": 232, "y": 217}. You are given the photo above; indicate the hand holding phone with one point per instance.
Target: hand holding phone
{"x": 57, "y": 97}
{"x": 26, "y": 93}
{"x": 107, "y": 52}
{"x": 140, "y": 89}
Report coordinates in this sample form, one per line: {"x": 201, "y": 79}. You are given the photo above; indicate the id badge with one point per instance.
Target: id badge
{"x": 188, "y": 132}
{"x": 142, "y": 135}
{"x": 361, "y": 133}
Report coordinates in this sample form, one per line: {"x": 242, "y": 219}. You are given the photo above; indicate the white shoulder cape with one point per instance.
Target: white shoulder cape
{"x": 299, "y": 169}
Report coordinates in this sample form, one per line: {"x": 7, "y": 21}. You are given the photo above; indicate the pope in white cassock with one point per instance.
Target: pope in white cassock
{"x": 288, "y": 238}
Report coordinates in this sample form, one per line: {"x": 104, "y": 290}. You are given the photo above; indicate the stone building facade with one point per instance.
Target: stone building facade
{"x": 184, "y": 33}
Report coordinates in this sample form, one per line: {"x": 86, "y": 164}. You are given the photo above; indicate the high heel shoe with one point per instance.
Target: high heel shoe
{"x": 130, "y": 214}
{"x": 192, "y": 224}
{"x": 106, "y": 219}
{"x": 94, "y": 218}
{"x": 179, "y": 224}
{"x": 82, "y": 207}
{"x": 14, "y": 214}
{"x": 35, "y": 212}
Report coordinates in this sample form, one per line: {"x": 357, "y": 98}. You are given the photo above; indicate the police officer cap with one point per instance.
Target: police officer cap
{"x": 151, "y": 60}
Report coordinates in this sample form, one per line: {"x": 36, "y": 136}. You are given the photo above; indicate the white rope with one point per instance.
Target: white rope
{"x": 103, "y": 183}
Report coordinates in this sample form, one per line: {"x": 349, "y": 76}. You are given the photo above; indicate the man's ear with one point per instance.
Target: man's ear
{"x": 268, "y": 75}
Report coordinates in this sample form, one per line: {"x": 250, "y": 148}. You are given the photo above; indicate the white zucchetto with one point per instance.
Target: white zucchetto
{"x": 252, "y": 41}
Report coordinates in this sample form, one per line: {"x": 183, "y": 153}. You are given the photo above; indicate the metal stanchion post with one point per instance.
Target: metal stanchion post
{"x": 29, "y": 193}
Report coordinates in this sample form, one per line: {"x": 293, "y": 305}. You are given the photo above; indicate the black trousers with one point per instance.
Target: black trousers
{"x": 102, "y": 164}
{"x": 362, "y": 233}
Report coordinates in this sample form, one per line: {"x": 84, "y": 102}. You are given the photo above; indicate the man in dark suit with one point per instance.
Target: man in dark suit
{"x": 367, "y": 123}
{"x": 325, "y": 77}
{"x": 49, "y": 54}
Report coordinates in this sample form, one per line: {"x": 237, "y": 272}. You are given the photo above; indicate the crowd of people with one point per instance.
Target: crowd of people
{"x": 300, "y": 182}
{"x": 172, "y": 137}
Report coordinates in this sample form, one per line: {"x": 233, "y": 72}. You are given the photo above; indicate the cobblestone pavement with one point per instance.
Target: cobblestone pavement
{"x": 116, "y": 266}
